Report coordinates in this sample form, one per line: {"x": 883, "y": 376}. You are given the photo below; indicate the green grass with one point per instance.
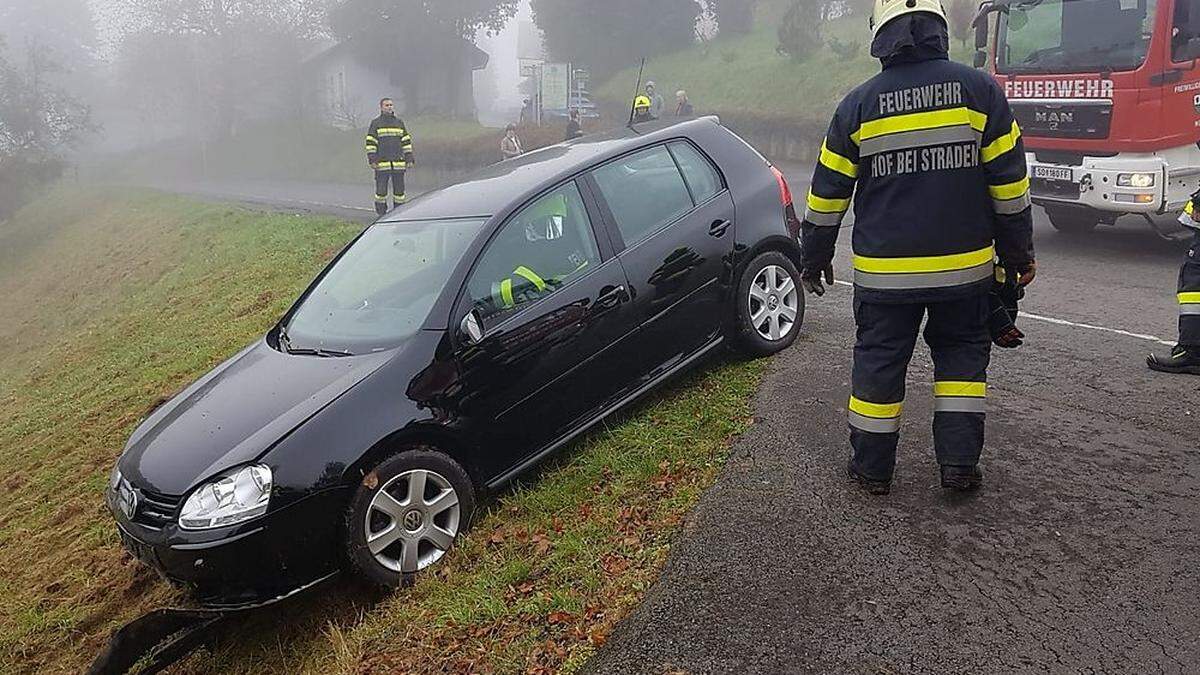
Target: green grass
{"x": 301, "y": 151}
{"x": 114, "y": 300}
{"x": 742, "y": 75}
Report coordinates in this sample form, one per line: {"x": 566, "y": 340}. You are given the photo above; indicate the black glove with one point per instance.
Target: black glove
{"x": 1005, "y": 297}
{"x": 810, "y": 280}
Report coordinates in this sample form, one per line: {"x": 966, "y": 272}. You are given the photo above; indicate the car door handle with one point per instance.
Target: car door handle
{"x": 719, "y": 228}
{"x": 611, "y": 298}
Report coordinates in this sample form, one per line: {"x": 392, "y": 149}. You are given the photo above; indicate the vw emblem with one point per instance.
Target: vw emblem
{"x": 413, "y": 521}
{"x": 127, "y": 499}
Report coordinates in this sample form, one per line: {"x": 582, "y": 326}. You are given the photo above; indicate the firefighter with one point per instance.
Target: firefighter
{"x": 641, "y": 109}
{"x": 939, "y": 166}
{"x": 390, "y": 153}
{"x": 1185, "y": 357}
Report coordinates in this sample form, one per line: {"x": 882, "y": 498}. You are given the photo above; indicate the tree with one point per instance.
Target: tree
{"x": 799, "y": 30}
{"x": 419, "y": 35}
{"x": 37, "y": 122}
{"x": 613, "y": 34}
{"x": 225, "y": 53}
{"x": 960, "y": 14}
{"x": 734, "y": 16}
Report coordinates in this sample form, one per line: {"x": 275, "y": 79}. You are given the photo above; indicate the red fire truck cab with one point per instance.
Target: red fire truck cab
{"x": 1107, "y": 93}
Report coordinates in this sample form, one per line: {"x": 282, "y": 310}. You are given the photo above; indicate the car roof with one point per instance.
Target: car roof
{"x": 496, "y": 188}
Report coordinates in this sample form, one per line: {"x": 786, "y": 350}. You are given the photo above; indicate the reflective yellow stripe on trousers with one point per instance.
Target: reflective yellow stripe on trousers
{"x": 875, "y": 418}
{"x": 939, "y": 271}
{"x": 960, "y": 397}
{"x": 1189, "y": 303}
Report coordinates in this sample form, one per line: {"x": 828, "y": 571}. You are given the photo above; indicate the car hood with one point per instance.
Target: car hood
{"x": 236, "y": 413}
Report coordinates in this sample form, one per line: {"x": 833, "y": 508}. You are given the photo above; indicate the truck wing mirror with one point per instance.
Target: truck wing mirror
{"x": 980, "y": 59}
{"x": 981, "y": 27}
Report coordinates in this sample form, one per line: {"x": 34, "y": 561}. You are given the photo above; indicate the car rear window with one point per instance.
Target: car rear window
{"x": 644, "y": 191}
{"x": 701, "y": 176}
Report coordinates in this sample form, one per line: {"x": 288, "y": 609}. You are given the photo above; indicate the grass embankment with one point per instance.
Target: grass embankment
{"x": 110, "y": 302}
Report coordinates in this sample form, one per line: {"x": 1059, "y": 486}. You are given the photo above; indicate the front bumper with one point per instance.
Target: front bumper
{"x": 245, "y": 565}
{"x": 1093, "y": 184}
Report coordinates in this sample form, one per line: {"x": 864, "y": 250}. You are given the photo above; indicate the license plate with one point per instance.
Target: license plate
{"x": 1052, "y": 173}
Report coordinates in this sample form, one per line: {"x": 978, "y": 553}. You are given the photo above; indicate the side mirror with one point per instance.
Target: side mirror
{"x": 981, "y": 31}
{"x": 980, "y": 59}
{"x": 472, "y": 328}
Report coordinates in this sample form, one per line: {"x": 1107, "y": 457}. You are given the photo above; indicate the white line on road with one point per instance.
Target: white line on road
{"x": 1073, "y": 324}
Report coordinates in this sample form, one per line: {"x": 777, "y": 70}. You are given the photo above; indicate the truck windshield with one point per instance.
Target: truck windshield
{"x": 1075, "y": 36}
{"x": 380, "y": 291}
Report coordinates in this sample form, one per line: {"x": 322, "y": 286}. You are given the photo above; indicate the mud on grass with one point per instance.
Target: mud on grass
{"x": 160, "y": 289}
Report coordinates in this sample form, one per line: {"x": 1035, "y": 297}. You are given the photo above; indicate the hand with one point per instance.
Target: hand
{"x": 810, "y": 280}
{"x": 1011, "y": 340}
{"x": 1028, "y": 275}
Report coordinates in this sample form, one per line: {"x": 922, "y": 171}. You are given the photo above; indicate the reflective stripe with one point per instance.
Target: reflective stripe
{"x": 379, "y": 198}
{"x": 1010, "y": 190}
{"x": 1187, "y": 221}
{"x": 835, "y": 162}
{"x": 954, "y": 404}
{"x": 920, "y": 121}
{"x": 873, "y": 425}
{"x": 960, "y": 389}
{"x": 390, "y": 166}
{"x": 530, "y": 276}
{"x": 1189, "y": 298}
{"x": 823, "y": 205}
{"x": 1002, "y": 145}
{"x": 824, "y": 219}
{"x": 1189, "y": 209}
{"x": 876, "y": 410}
{"x": 892, "y": 282}
{"x": 372, "y": 138}
{"x": 401, "y": 198}
{"x": 1008, "y": 207}
{"x": 920, "y": 139}
{"x": 391, "y": 131}
{"x": 935, "y": 263}
{"x": 506, "y": 294}
{"x": 1189, "y": 310}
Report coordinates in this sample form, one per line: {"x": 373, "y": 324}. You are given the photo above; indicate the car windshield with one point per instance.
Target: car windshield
{"x": 1075, "y": 36}
{"x": 380, "y": 292}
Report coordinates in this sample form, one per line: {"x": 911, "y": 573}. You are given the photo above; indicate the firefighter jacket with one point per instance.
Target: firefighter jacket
{"x": 389, "y": 145}
{"x": 937, "y": 160}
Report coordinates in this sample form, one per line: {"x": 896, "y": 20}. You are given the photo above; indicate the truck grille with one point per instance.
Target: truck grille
{"x": 154, "y": 509}
{"x": 1065, "y": 119}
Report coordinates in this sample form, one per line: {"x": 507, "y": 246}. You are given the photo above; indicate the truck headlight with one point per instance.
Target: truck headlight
{"x": 1135, "y": 180}
{"x": 234, "y": 497}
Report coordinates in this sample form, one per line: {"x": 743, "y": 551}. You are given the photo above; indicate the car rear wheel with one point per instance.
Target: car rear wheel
{"x": 407, "y": 514}
{"x": 769, "y": 305}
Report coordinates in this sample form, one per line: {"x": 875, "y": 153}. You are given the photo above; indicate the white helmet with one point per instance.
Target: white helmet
{"x": 886, "y": 10}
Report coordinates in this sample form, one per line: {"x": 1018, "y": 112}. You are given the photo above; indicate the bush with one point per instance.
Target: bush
{"x": 845, "y": 50}
{"x": 799, "y": 31}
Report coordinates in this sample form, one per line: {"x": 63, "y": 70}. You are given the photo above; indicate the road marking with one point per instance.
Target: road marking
{"x": 1074, "y": 324}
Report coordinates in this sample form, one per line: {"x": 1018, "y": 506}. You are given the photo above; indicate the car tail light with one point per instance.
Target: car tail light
{"x": 789, "y": 209}
{"x": 785, "y": 192}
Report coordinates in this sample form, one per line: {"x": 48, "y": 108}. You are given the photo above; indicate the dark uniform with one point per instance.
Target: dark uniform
{"x": 1185, "y": 358}
{"x": 390, "y": 151}
{"x": 943, "y": 193}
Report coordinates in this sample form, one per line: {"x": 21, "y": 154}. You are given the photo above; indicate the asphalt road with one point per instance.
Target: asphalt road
{"x": 1080, "y": 555}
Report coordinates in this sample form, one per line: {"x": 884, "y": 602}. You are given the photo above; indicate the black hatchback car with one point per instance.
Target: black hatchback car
{"x": 452, "y": 345}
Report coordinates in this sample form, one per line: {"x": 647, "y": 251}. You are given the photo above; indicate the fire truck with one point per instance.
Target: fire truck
{"x": 1107, "y": 93}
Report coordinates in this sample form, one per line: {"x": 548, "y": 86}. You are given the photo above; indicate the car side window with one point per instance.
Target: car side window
{"x": 644, "y": 191}
{"x": 1185, "y": 34}
{"x": 698, "y": 171}
{"x": 544, "y": 247}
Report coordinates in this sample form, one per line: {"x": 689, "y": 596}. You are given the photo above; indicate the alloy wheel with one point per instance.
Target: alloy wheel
{"x": 774, "y": 303}
{"x": 413, "y": 521}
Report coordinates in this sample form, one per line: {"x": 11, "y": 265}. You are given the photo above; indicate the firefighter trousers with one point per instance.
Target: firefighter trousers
{"x": 1189, "y": 297}
{"x": 958, "y": 338}
{"x": 382, "y": 178}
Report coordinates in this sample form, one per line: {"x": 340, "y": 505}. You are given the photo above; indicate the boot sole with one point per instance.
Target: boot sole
{"x": 1174, "y": 370}
{"x": 962, "y": 486}
{"x": 872, "y": 487}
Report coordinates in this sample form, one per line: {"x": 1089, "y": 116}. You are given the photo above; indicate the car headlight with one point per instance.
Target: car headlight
{"x": 1135, "y": 180}
{"x": 114, "y": 477}
{"x": 234, "y": 497}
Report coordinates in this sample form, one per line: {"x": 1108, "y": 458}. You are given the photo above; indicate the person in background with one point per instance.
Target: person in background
{"x": 574, "y": 128}
{"x": 683, "y": 107}
{"x": 1185, "y": 357}
{"x": 527, "y": 116}
{"x": 390, "y": 154}
{"x": 510, "y": 146}
{"x": 641, "y": 110}
{"x": 656, "y": 100}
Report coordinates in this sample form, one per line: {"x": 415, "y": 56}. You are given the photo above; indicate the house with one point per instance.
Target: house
{"x": 345, "y": 88}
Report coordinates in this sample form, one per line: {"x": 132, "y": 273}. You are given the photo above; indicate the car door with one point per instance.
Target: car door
{"x": 675, "y": 240}
{"x": 554, "y": 311}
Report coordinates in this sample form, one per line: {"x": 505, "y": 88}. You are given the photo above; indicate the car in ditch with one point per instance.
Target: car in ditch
{"x": 452, "y": 345}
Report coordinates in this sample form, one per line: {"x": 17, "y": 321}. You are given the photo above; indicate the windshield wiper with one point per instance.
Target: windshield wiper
{"x": 286, "y": 343}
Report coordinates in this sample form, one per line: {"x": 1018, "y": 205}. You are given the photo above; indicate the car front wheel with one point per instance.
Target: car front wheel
{"x": 769, "y": 305}
{"x": 406, "y": 515}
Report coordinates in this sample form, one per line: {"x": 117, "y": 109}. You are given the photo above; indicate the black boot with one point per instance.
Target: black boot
{"x": 871, "y": 485}
{"x": 1182, "y": 360}
{"x": 962, "y": 478}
